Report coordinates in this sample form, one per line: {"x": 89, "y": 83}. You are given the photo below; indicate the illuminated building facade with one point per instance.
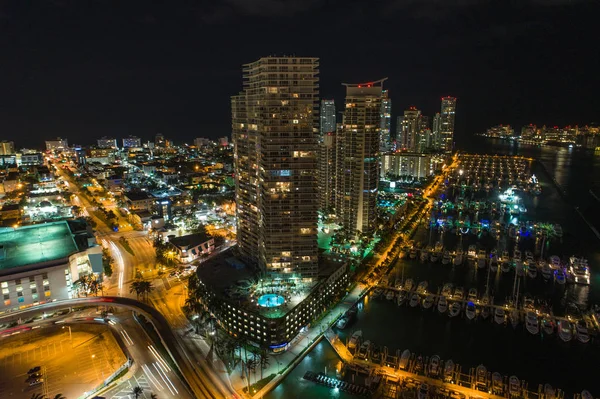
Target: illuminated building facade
{"x": 408, "y": 129}
{"x": 358, "y": 157}
{"x": 327, "y": 171}
{"x": 276, "y": 140}
{"x": 327, "y": 116}
{"x": 385, "y": 139}
{"x": 447, "y": 123}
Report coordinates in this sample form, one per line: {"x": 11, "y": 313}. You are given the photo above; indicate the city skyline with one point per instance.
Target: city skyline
{"x": 142, "y": 67}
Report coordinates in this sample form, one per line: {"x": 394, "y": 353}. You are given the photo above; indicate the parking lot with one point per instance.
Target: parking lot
{"x": 71, "y": 364}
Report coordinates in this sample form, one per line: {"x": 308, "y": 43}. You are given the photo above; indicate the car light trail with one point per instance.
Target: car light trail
{"x": 166, "y": 379}
{"x": 151, "y": 377}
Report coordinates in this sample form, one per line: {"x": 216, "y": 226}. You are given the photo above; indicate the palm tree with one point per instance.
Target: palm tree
{"x": 264, "y": 361}
{"x": 59, "y": 396}
{"x": 137, "y": 391}
{"x": 146, "y": 288}
{"x": 38, "y": 396}
{"x": 135, "y": 287}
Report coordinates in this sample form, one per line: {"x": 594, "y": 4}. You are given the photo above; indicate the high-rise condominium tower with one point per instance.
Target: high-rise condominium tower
{"x": 327, "y": 172}
{"x": 275, "y": 134}
{"x": 327, "y": 116}
{"x": 436, "y": 132}
{"x": 447, "y": 123}
{"x": 385, "y": 140}
{"x": 358, "y": 157}
{"x": 408, "y": 129}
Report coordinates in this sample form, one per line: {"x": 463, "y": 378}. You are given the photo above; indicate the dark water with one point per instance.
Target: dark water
{"x": 536, "y": 359}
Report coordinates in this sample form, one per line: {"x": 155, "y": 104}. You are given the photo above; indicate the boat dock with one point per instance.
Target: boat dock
{"x": 474, "y": 384}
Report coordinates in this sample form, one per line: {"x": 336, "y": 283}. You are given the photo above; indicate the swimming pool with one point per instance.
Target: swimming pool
{"x": 270, "y": 300}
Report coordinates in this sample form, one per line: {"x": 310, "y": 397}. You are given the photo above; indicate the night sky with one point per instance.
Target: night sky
{"x": 82, "y": 69}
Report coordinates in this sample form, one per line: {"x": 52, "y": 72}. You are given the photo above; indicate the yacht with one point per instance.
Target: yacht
{"x": 581, "y": 330}
{"x": 449, "y": 370}
{"x": 528, "y": 256}
{"x": 559, "y": 276}
{"x": 472, "y": 295}
{"x": 532, "y": 323}
{"x": 408, "y": 285}
{"x": 446, "y": 257}
{"x": 565, "y": 331}
{"x": 517, "y": 254}
{"x": 342, "y": 322}
{"x": 428, "y": 302}
{"x": 519, "y": 268}
{"x": 497, "y": 384}
{"x": 472, "y": 252}
{"x": 481, "y": 259}
{"x": 454, "y": 309}
{"x": 555, "y": 261}
{"x": 579, "y": 270}
{"x": 515, "y": 318}
{"x": 547, "y": 326}
{"x": 447, "y": 290}
{"x": 485, "y": 312}
{"x": 423, "y": 392}
{"x": 422, "y": 287}
{"x": 506, "y": 264}
{"x": 549, "y": 392}
{"x": 356, "y": 336}
{"x": 434, "y": 256}
{"x": 404, "y": 359}
{"x": 377, "y": 292}
{"x": 425, "y": 253}
{"x": 586, "y": 395}
{"x": 558, "y": 230}
{"x": 412, "y": 253}
{"x": 532, "y": 270}
{"x": 458, "y": 257}
{"x": 414, "y": 300}
{"x": 514, "y": 386}
{"x": 402, "y": 295}
{"x": 390, "y": 295}
{"x": 505, "y": 256}
{"x": 363, "y": 350}
{"x": 442, "y": 304}
{"x": 459, "y": 293}
{"x": 547, "y": 272}
{"x": 434, "y": 366}
{"x": 481, "y": 376}
{"x": 485, "y": 299}
{"x": 493, "y": 262}
{"x": 470, "y": 311}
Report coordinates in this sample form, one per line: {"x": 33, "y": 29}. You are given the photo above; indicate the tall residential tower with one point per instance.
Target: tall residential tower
{"x": 327, "y": 116}
{"x": 385, "y": 139}
{"x": 447, "y": 123}
{"x": 358, "y": 157}
{"x": 276, "y": 133}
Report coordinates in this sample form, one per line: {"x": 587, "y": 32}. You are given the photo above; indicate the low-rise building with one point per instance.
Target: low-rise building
{"x": 138, "y": 201}
{"x": 190, "y": 247}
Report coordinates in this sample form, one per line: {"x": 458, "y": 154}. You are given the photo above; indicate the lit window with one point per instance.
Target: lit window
{"x": 4, "y": 284}
{"x": 5, "y": 290}
{"x": 7, "y": 302}
{"x": 47, "y": 294}
{"x": 21, "y": 299}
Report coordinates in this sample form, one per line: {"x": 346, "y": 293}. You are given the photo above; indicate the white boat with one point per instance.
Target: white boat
{"x": 425, "y": 253}
{"x": 342, "y": 323}
{"x": 470, "y": 311}
{"x": 497, "y": 384}
{"x": 472, "y": 294}
{"x": 485, "y": 312}
{"x": 454, "y": 309}
{"x": 446, "y": 257}
{"x": 449, "y": 370}
{"x": 581, "y": 330}
{"x": 423, "y": 392}
{"x": 515, "y": 318}
{"x": 549, "y": 392}
{"x": 402, "y": 295}
{"x": 586, "y": 395}
{"x": 458, "y": 257}
{"x": 506, "y": 264}
{"x": 434, "y": 256}
{"x": 579, "y": 270}
{"x": 363, "y": 351}
{"x": 447, "y": 290}
{"x": 412, "y": 253}
{"x": 434, "y": 366}
{"x": 481, "y": 376}
{"x": 528, "y": 256}
{"x": 547, "y": 272}
{"x": 565, "y": 331}
{"x": 532, "y": 323}
{"x": 442, "y": 304}
{"x": 517, "y": 254}
{"x": 493, "y": 262}
{"x": 547, "y": 326}
{"x": 404, "y": 359}
{"x": 408, "y": 285}
{"x": 389, "y": 295}
{"x": 514, "y": 386}
{"x": 356, "y": 336}
{"x": 422, "y": 287}
{"x": 532, "y": 270}
{"x": 459, "y": 293}
{"x": 428, "y": 302}
{"x": 505, "y": 256}
{"x": 485, "y": 299}
{"x": 472, "y": 252}
{"x": 555, "y": 261}
{"x": 481, "y": 259}
{"x": 559, "y": 276}
{"x": 414, "y": 300}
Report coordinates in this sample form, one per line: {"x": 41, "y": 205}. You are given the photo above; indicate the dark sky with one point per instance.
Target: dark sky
{"x": 81, "y": 69}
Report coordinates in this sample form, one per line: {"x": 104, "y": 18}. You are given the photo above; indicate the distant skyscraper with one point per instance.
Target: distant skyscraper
{"x": 358, "y": 157}
{"x": 327, "y": 116}
{"x": 436, "y": 132}
{"x": 385, "y": 139}
{"x": 408, "y": 130}
{"x": 107, "y": 142}
{"x": 275, "y": 135}
{"x": 327, "y": 171}
{"x": 159, "y": 140}
{"x": 447, "y": 131}
{"x": 57, "y": 144}
{"x": 7, "y": 147}
{"x": 423, "y": 134}
{"x": 132, "y": 142}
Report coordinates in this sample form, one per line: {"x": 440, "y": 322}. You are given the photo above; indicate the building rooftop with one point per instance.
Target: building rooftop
{"x": 35, "y": 244}
{"x": 190, "y": 240}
